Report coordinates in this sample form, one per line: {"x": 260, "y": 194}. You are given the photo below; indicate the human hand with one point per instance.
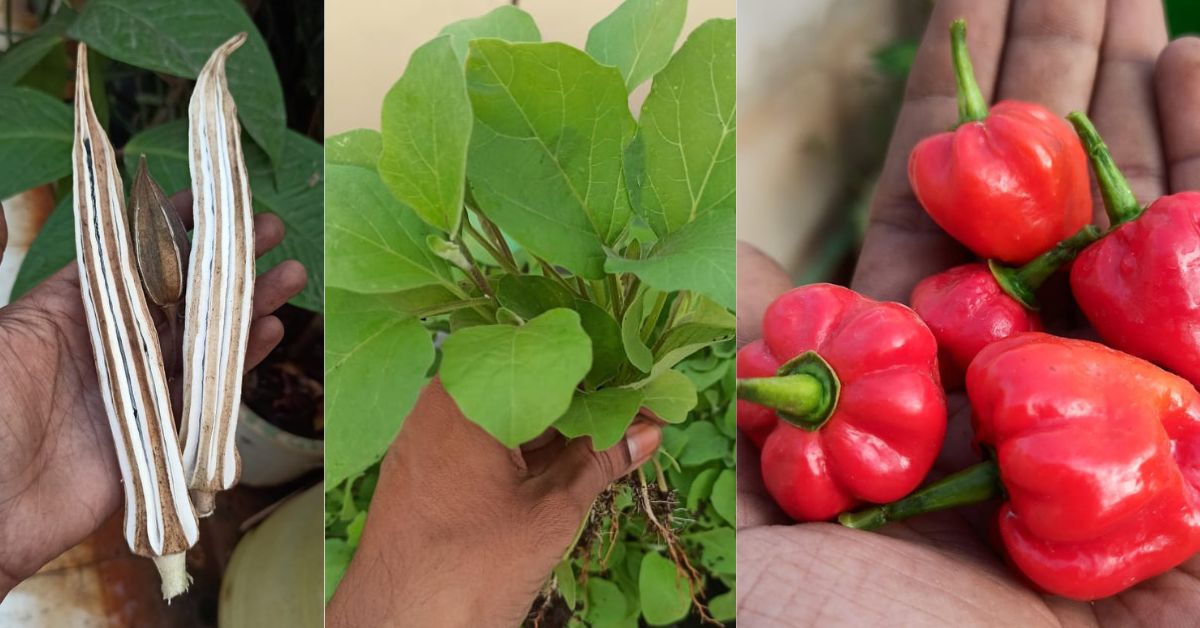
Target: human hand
{"x": 1111, "y": 61}
{"x": 464, "y": 532}
{"x": 58, "y": 469}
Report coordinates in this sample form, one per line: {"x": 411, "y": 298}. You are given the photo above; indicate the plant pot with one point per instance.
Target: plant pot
{"x": 271, "y": 456}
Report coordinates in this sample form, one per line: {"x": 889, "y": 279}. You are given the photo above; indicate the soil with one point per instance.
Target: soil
{"x": 286, "y": 389}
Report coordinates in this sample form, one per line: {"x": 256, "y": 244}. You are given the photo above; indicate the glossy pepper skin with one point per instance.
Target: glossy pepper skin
{"x": 1096, "y": 454}
{"x": 883, "y": 429}
{"x": 1140, "y": 285}
{"x": 1008, "y": 183}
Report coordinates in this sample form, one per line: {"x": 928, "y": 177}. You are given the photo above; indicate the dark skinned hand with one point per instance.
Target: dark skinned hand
{"x": 1110, "y": 59}
{"x": 58, "y": 469}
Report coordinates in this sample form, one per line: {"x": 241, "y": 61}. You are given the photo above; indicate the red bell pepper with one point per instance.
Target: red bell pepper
{"x": 969, "y": 307}
{"x": 842, "y": 396}
{"x": 1009, "y": 183}
{"x": 1140, "y": 285}
{"x": 1097, "y": 455}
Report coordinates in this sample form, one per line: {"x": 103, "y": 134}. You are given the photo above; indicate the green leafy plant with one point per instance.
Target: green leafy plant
{"x": 574, "y": 264}
{"x": 158, "y": 46}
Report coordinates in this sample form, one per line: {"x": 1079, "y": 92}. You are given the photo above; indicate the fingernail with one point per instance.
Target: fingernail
{"x": 642, "y": 439}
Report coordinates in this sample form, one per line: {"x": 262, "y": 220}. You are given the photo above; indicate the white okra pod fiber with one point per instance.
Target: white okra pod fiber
{"x": 220, "y": 285}
{"x": 159, "y": 519}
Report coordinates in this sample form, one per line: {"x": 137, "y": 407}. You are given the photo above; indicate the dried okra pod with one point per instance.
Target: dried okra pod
{"x": 159, "y": 519}
{"x": 220, "y": 285}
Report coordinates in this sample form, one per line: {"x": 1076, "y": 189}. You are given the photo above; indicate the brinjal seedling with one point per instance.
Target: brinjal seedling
{"x": 159, "y": 519}
{"x": 220, "y": 285}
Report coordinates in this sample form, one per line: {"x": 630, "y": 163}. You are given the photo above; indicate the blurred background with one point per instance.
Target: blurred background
{"x": 819, "y": 87}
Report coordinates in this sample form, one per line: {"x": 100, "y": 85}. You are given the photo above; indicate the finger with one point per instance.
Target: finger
{"x": 584, "y": 472}
{"x": 759, "y": 281}
{"x": 1124, "y": 107}
{"x": 273, "y": 288}
{"x": 755, "y": 507}
{"x": 268, "y": 233}
{"x": 903, "y": 245}
{"x": 1177, "y": 80}
{"x": 1052, "y": 53}
{"x": 265, "y": 334}
{"x": 542, "y": 451}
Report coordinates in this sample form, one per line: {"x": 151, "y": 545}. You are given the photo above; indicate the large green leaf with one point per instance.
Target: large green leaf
{"x": 359, "y": 147}
{"x": 505, "y": 22}
{"x": 18, "y": 61}
{"x": 368, "y": 391}
{"x": 516, "y": 381}
{"x": 638, "y": 37}
{"x": 545, "y": 160}
{"x": 670, "y": 396}
{"x": 53, "y": 248}
{"x": 531, "y": 295}
{"x": 35, "y": 139}
{"x": 664, "y": 591}
{"x": 608, "y": 349}
{"x": 426, "y": 129}
{"x": 698, "y": 257}
{"x": 603, "y": 415}
{"x": 606, "y": 605}
{"x": 706, "y": 325}
{"x": 631, "y": 334}
{"x": 166, "y": 149}
{"x": 724, "y": 496}
{"x": 682, "y": 164}
{"x": 178, "y": 37}
{"x": 373, "y": 242}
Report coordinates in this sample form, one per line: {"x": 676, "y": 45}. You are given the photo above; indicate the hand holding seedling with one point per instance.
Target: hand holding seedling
{"x": 1113, "y": 62}
{"x": 58, "y": 476}
{"x": 463, "y": 531}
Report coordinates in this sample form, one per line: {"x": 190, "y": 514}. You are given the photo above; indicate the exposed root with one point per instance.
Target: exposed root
{"x": 675, "y": 550}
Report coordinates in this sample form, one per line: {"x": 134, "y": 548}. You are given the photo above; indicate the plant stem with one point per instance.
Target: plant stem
{"x": 549, "y": 271}
{"x": 662, "y": 478}
{"x": 971, "y": 105}
{"x": 614, "y": 291}
{"x": 1120, "y": 203}
{"x": 652, "y": 321}
{"x": 970, "y": 486}
{"x": 473, "y": 269}
{"x": 498, "y": 238}
{"x": 446, "y": 308}
{"x": 804, "y": 393}
{"x": 1023, "y": 283}
{"x": 491, "y": 249}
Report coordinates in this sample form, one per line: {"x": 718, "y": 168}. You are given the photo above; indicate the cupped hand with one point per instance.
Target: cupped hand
{"x": 465, "y": 532}
{"x": 1110, "y": 59}
{"x": 58, "y": 469}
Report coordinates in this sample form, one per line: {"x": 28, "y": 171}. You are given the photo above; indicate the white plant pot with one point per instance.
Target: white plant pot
{"x": 271, "y": 456}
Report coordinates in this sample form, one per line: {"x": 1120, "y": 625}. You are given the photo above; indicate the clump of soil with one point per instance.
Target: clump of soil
{"x": 548, "y": 611}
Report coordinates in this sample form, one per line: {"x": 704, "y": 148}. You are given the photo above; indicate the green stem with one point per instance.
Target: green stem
{"x": 652, "y": 320}
{"x": 491, "y": 250}
{"x": 1023, "y": 283}
{"x": 1120, "y": 203}
{"x": 614, "y": 291}
{"x": 451, "y": 307}
{"x": 803, "y": 392}
{"x": 972, "y": 485}
{"x": 472, "y": 269}
{"x": 971, "y": 105}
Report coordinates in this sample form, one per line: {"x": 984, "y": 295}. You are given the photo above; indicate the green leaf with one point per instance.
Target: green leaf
{"x": 603, "y": 415}
{"x": 516, "y": 381}
{"x": 631, "y": 334}
{"x": 565, "y": 578}
{"x": 638, "y": 37}
{"x": 548, "y": 113}
{"x": 664, "y": 591}
{"x": 606, "y": 603}
{"x": 355, "y": 528}
{"x": 723, "y": 607}
{"x": 35, "y": 140}
{"x": 373, "y": 242}
{"x": 52, "y": 249}
{"x": 682, "y": 164}
{"x": 532, "y": 295}
{"x": 704, "y": 444}
{"x": 359, "y": 147}
{"x": 698, "y": 257}
{"x": 178, "y": 37}
{"x": 718, "y": 548}
{"x": 166, "y": 149}
{"x": 608, "y": 349}
{"x": 670, "y": 396}
{"x": 701, "y": 488}
{"x": 368, "y": 390}
{"x": 27, "y": 54}
{"x": 708, "y": 324}
{"x": 724, "y": 496}
{"x": 337, "y": 558}
{"x": 426, "y": 130}
{"x": 505, "y": 22}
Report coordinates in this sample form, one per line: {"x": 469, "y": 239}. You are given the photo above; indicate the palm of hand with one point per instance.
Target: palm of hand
{"x": 943, "y": 569}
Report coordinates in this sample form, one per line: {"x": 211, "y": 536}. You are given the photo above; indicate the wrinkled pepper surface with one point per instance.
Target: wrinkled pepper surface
{"x": 1097, "y": 456}
{"x": 969, "y": 307}
{"x": 842, "y": 395}
{"x": 1008, "y": 183}
{"x": 1140, "y": 285}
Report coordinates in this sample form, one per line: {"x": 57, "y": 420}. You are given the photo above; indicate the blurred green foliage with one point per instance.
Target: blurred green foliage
{"x": 1183, "y": 17}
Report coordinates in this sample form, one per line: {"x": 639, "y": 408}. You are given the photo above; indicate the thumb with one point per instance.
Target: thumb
{"x": 584, "y": 472}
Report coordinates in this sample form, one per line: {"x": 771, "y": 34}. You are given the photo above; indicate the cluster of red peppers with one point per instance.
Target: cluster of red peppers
{"x": 1094, "y": 449}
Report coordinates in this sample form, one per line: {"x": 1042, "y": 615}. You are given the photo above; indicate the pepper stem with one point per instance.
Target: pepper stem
{"x": 971, "y": 105}
{"x": 1023, "y": 283}
{"x": 804, "y": 391}
{"x": 1120, "y": 203}
{"x": 972, "y": 485}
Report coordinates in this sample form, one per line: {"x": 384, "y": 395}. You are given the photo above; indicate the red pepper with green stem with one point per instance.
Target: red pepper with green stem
{"x": 1140, "y": 285}
{"x": 842, "y": 396}
{"x": 1096, "y": 455}
{"x": 1008, "y": 183}
{"x": 970, "y": 307}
